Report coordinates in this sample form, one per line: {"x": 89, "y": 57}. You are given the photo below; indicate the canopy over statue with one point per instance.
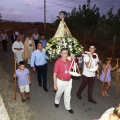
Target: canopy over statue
{"x": 62, "y": 30}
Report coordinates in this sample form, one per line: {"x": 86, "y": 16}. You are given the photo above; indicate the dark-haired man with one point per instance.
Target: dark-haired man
{"x": 88, "y": 77}
{"x": 62, "y": 80}
{"x": 13, "y": 37}
{"x": 39, "y": 64}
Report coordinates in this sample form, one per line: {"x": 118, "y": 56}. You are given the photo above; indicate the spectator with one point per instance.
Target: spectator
{"x": 4, "y": 37}
{"x": 16, "y": 32}
{"x": 13, "y": 37}
{"x": 22, "y": 37}
{"x": 36, "y": 38}
{"x": 43, "y": 41}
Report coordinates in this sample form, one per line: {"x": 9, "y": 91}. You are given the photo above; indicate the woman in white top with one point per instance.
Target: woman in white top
{"x": 111, "y": 114}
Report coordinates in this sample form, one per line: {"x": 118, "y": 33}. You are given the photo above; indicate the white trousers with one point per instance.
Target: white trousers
{"x": 64, "y": 87}
{"x": 18, "y": 55}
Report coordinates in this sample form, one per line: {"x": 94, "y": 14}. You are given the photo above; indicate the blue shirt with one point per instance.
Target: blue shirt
{"x": 22, "y": 77}
{"x": 44, "y": 42}
{"x": 38, "y": 58}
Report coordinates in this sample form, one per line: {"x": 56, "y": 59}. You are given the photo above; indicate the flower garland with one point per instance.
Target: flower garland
{"x": 54, "y": 46}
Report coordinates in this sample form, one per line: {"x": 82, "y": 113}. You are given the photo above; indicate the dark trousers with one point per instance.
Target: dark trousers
{"x": 36, "y": 42}
{"x": 13, "y": 40}
{"x": 42, "y": 73}
{"x": 4, "y": 43}
{"x": 87, "y": 81}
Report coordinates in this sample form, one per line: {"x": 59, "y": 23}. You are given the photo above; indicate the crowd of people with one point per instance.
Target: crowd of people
{"x": 30, "y": 49}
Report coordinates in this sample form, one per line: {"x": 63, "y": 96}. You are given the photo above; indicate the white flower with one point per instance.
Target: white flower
{"x": 50, "y": 52}
{"x": 69, "y": 40}
{"x": 70, "y": 46}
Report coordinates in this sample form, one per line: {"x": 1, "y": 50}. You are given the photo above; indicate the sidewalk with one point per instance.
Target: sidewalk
{"x": 3, "y": 112}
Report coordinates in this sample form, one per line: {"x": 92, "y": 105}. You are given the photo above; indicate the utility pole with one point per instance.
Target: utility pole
{"x": 44, "y": 16}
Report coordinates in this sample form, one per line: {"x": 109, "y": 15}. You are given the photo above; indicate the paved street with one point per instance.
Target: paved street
{"x": 42, "y": 103}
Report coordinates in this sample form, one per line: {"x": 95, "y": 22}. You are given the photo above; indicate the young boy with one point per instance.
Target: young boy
{"x": 23, "y": 76}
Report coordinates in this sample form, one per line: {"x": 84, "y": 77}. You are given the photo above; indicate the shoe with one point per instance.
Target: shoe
{"x": 28, "y": 98}
{"x": 79, "y": 97}
{"x": 92, "y": 101}
{"x": 23, "y": 100}
{"x": 57, "y": 105}
{"x": 46, "y": 90}
{"x": 40, "y": 85}
{"x": 71, "y": 111}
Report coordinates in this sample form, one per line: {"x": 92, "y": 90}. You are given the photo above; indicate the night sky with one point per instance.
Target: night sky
{"x": 32, "y": 10}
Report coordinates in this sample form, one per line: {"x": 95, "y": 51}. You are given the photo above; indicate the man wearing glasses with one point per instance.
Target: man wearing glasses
{"x": 88, "y": 77}
{"x": 62, "y": 80}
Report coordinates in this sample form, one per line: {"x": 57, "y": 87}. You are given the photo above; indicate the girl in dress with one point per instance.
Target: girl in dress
{"x": 106, "y": 75}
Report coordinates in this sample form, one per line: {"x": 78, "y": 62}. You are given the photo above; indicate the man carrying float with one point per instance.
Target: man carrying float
{"x": 63, "y": 45}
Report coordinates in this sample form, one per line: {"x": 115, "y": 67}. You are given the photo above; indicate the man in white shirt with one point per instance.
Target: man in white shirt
{"x": 36, "y": 38}
{"x": 18, "y": 49}
{"x": 88, "y": 77}
{"x": 4, "y": 37}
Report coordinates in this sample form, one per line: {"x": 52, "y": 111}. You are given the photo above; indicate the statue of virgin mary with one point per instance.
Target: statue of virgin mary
{"x": 62, "y": 30}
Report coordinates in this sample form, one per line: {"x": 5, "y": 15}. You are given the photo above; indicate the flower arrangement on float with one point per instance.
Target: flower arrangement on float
{"x": 54, "y": 46}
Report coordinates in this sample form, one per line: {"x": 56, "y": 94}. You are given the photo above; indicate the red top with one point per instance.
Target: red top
{"x": 62, "y": 68}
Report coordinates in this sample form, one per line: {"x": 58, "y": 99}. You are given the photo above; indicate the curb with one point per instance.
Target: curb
{"x": 3, "y": 112}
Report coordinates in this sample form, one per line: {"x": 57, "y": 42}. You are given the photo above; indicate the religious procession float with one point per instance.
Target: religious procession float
{"x": 63, "y": 39}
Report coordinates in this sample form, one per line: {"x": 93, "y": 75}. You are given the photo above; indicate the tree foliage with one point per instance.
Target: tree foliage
{"x": 88, "y": 20}
{"x": 0, "y": 17}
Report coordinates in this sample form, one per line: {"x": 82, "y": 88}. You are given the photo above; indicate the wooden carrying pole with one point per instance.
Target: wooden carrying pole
{"x": 15, "y": 60}
{"x": 117, "y": 82}
{"x": 103, "y": 83}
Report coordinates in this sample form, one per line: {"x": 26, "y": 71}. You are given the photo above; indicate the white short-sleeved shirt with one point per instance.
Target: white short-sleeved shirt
{"x": 86, "y": 71}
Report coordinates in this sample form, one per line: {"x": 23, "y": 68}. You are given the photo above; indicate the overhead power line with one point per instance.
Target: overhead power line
{"x": 60, "y": 4}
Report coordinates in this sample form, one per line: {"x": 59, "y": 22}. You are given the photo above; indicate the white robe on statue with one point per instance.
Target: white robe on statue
{"x": 18, "y": 53}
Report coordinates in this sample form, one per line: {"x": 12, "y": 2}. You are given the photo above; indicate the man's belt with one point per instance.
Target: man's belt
{"x": 63, "y": 80}
{"x": 40, "y": 65}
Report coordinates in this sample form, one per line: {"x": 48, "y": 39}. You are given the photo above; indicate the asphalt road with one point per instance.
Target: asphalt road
{"x": 42, "y": 103}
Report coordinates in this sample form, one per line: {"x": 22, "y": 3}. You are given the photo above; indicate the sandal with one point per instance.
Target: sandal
{"x": 23, "y": 100}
